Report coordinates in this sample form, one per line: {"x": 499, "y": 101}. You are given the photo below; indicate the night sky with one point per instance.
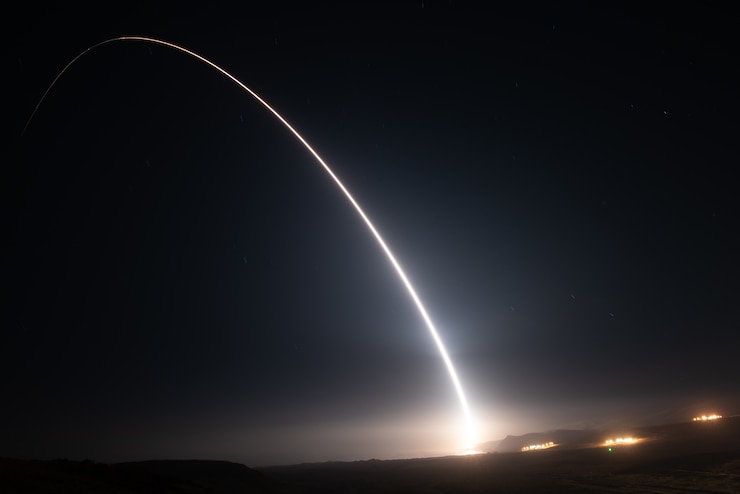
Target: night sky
{"x": 183, "y": 280}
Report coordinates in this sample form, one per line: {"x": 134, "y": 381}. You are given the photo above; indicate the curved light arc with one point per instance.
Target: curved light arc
{"x": 401, "y": 274}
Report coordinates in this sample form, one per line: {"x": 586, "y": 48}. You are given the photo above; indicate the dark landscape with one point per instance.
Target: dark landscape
{"x": 683, "y": 457}
{"x": 194, "y": 302}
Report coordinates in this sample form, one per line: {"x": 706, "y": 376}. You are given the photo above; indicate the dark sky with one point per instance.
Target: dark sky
{"x": 183, "y": 280}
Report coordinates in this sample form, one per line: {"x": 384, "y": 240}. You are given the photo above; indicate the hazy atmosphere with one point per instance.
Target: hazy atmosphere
{"x": 182, "y": 279}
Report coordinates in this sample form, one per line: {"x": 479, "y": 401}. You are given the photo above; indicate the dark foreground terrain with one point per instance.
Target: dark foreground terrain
{"x": 688, "y": 457}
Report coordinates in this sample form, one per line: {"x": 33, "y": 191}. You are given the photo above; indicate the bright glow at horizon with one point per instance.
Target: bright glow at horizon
{"x": 469, "y": 433}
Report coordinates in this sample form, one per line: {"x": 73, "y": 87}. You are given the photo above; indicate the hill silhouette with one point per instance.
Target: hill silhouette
{"x": 163, "y": 476}
{"x": 682, "y": 457}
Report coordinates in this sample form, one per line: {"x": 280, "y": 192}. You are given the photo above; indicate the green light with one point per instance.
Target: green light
{"x": 610, "y": 450}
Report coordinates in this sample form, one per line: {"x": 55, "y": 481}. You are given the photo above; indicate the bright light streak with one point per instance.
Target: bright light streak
{"x": 469, "y": 436}
{"x": 705, "y": 418}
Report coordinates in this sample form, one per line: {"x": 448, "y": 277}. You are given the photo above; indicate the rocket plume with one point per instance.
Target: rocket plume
{"x": 468, "y": 439}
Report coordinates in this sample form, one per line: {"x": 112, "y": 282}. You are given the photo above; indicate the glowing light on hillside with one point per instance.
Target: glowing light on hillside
{"x": 535, "y": 447}
{"x": 706, "y": 418}
{"x": 621, "y": 440}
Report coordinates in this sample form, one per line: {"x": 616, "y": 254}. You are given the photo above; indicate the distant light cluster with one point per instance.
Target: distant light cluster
{"x": 620, "y": 440}
{"x": 705, "y": 418}
{"x": 533, "y": 447}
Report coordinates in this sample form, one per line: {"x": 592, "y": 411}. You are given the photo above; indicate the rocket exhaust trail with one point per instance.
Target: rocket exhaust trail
{"x": 468, "y": 436}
